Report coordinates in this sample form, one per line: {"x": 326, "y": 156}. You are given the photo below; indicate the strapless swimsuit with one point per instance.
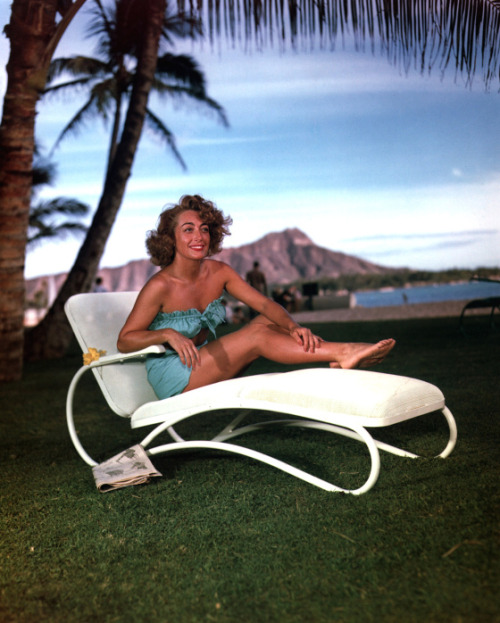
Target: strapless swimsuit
{"x": 166, "y": 373}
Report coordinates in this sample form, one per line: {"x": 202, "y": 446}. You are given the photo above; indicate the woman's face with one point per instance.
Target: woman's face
{"x": 192, "y": 236}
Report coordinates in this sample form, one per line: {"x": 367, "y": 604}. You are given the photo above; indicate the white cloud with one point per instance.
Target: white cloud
{"x": 271, "y": 74}
{"x": 440, "y": 226}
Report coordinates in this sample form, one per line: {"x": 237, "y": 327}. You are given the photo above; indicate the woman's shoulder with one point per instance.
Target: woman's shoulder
{"x": 156, "y": 288}
{"x": 158, "y": 281}
{"x": 217, "y": 266}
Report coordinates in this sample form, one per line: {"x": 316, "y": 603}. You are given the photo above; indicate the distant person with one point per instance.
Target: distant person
{"x": 99, "y": 286}
{"x": 257, "y": 280}
{"x": 182, "y": 303}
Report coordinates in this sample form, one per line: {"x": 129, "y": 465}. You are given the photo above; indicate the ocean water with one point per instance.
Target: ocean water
{"x": 428, "y": 294}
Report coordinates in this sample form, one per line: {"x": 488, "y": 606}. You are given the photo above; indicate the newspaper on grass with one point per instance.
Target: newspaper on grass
{"x": 130, "y": 467}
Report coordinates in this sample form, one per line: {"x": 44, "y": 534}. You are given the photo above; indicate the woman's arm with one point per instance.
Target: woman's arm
{"x": 135, "y": 334}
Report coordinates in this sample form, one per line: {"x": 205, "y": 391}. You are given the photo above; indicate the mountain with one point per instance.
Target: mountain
{"x": 290, "y": 255}
{"x": 283, "y": 256}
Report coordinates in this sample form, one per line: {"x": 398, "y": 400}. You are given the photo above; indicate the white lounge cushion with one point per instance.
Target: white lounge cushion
{"x": 376, "y": 399}
{"x": 334, "y": 395}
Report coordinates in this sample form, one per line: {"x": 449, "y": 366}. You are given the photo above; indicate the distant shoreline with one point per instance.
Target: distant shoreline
{"x": 440, "y": 309}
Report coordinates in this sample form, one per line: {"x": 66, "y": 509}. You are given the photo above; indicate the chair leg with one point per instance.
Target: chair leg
{"x": 453, "y": 433}
{"x": 285, "y": 467}
{"x": 71, "y": 420}
{"x": 220, "y": 443}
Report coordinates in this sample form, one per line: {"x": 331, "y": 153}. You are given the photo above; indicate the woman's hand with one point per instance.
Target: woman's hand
{"x": 306, "y": 338}
{"x": 184, "y": 347}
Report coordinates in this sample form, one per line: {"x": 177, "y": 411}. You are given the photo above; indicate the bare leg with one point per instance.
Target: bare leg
{"x": 224, "y": 358}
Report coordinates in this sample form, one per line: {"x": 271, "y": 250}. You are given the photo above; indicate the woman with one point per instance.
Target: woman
{"x": 181, "y": 303}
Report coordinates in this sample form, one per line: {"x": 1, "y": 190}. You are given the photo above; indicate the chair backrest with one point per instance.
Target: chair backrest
{"x": 96, "y": 319}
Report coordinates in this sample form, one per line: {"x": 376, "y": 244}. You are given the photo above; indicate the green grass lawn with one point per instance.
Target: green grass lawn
{"x": 221, "y": 538}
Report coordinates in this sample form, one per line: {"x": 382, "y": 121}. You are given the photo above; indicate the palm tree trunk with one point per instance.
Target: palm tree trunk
{"x": 33, "y": 33}
{"x": 113, "y": 143}
{"x": 31, "y": 29}
{"x": 53, "y": 335}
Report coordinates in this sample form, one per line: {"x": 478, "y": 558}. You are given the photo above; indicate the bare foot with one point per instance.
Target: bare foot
{"x": 363, "y": 355}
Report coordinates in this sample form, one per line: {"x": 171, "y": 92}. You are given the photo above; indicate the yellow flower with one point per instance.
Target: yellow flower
{"x": 92, "y": 355}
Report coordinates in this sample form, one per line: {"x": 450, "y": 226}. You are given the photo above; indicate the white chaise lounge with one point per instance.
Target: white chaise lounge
{"x": 345, "y": 402}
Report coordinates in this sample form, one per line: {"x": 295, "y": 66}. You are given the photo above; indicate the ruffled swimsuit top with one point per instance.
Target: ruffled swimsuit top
{"x": 191, "y": 321}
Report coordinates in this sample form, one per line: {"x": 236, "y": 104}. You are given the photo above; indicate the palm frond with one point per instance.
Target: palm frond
{"x": 424, "y": 35}
{"x": 104, "y": 94}
{"x": 45, "y": 220}
{"x": 102, "y": 25}
{"x": 181, "y": 26}
{"x": 72, "y": 85}
{"x": 47, "y": 232}
{"x": 43, "y": 172}
{"x": 102, "y": 19}
{"x": 58, "y": 206}
{"x": 80, "y": 66}
{"x": 159, "y": 129}
{"x": 217, "y": 108}
{"x": 188, "y": 95}
{"x": 87, "y": 111}
{"x": 182, "y": 69}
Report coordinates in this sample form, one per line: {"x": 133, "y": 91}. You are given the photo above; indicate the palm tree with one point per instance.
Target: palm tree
{"x": 112, "y": 81}
{"x": 419, "y": 33}
{"x": 108, "y": 77}
{"x": 34, "y": 32}
{"x": 52, "y": 218}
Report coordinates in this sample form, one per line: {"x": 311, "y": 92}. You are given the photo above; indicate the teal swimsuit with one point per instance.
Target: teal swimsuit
{"x": 166, "y": 373}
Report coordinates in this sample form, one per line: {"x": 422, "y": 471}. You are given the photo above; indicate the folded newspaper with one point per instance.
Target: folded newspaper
{"x": 131, "y": 467}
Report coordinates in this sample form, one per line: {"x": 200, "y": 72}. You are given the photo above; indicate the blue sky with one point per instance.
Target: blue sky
{"x": 400, "y": 170}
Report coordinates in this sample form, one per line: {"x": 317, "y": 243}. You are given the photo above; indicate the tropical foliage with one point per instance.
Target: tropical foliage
{"x": 107, "y": 78}
{"x": 51, "y": 219}
{"x": 421, "y": 35}
{"x": 111, "y": 79}
{"x": 34, "y": 31}
{"x": 51, "y": 337}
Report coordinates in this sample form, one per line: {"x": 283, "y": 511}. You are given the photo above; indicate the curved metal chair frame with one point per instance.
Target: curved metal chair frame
{"x": 343, "y": 402}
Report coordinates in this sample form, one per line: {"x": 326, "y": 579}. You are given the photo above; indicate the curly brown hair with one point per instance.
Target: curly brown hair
{"x": 160, "y": 242}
